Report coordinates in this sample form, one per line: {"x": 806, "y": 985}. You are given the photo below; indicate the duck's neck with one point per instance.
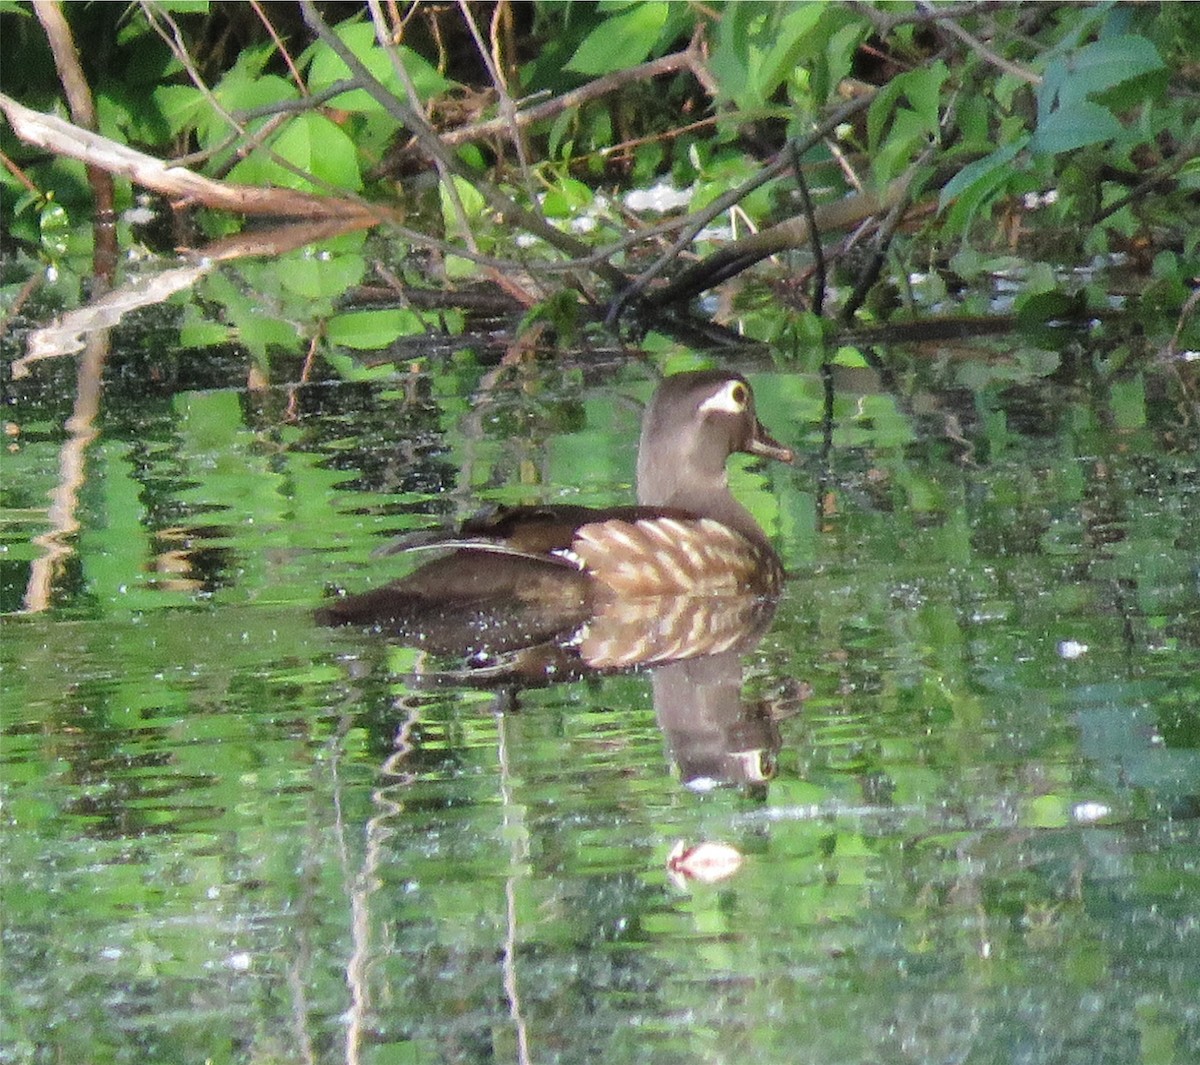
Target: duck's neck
{"x": 706, "y": 496}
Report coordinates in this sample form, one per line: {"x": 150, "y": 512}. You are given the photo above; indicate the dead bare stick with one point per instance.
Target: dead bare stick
{"x": 55, "y": 135}
{"x": 76, "y": 329}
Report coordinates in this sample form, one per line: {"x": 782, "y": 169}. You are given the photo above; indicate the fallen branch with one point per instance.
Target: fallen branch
{"x": 53, "y": 134}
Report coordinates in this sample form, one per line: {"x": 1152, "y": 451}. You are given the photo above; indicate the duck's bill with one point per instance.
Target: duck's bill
{"x": 764, "y": 444}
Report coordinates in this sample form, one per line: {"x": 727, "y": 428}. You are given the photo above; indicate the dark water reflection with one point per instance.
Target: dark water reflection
{"x": 233, "y": 836}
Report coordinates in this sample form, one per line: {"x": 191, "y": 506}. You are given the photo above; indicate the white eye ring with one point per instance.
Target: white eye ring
{"x": 730, "y": 399}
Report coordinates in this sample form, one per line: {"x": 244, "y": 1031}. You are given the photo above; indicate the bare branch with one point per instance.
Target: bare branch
{"x": 56, "y": 135}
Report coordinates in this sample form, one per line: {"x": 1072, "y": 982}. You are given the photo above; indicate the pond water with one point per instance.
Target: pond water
{"x": 967, "y": 807}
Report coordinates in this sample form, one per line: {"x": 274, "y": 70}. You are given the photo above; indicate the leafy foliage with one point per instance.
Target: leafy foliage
{"x": 1078, "y": 122}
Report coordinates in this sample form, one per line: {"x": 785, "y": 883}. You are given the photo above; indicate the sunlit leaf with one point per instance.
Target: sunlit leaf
{"x": 320, "y": 277}
{"x": 180, "y": 105}
{"x": 314, "y": 145}
{"x": 621, "y": 41}
{"x": 54, "y": 224}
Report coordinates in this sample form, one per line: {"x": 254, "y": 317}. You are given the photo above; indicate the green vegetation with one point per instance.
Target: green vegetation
{"x": 927, "y": 147}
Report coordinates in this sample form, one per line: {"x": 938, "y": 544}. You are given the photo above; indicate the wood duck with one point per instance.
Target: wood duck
{"x": 515, "y": 576}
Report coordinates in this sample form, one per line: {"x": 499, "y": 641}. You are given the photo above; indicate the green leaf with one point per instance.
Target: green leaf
{"x": 840, "y": 51}
{"x": 180, "y": 105}
{"x": 791, "y": 40}
{"x": 1095, "y": 68}
{"x": 258, "y": 332}
{"x": 315, "y": 277}
{"x": 54, "y": 225}
{"x": 326, "y": 68}
{"x": 621, "y": 41}
{"x": 186, "y": 7}
{"x": 372, "y": 330}
{"x": 922, "y": 87}
{"x": 312, "y": 143}
{"x": 196, "y": 331}
{"x": 908, "y": 134}
{"x": 1129, "y": 403}
{"x": 982, "y": 171}
{"x": 567, "y": 196}
{"x": 1067, "y": 117}
{"x": 470, "y": 197}
{"x": 240, "y": 89}
{"x": 1075, "y": 126}
{"x": 1037, "y": 308}
{"x": 350, "y": 369}
{"x": 243, "y": 92}
{"x": 730, "y": 62}
{"x": 1045, "y": 811}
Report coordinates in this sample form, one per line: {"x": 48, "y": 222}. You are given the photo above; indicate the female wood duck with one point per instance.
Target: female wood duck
{"x": 515, "y": 576}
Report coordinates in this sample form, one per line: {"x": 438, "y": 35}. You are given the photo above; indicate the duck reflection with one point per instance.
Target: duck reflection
{"x": 713, "y": 735}
{"x": 692, "y": 646}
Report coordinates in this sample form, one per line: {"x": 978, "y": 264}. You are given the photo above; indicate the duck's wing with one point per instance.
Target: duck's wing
{"x": 670, "y": 556}
{"x": 524, "y": 532}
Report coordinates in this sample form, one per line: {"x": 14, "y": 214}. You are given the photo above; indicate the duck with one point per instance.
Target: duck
{"x": 512, "y": 577}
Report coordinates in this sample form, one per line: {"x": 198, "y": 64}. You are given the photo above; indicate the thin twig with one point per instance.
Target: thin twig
{"x": 955, "y": 30}
{"x": 885, "y": 22}
{"x": 593, "y": 90}
{"x": 418, "y": 109}
{"x": 884, "y": 239}
{"x": 818, "y": 295}
{"x": 262, "y": 17}
{"x": 1185, "y": 155}
{"x": 255, "y": 139}
{"x": 508, "y": 109}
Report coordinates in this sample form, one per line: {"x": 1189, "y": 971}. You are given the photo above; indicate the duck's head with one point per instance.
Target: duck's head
{"x": 695, "y": 421}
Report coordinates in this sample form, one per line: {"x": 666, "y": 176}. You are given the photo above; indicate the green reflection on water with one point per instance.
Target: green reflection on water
{"x": 230, "y": 836}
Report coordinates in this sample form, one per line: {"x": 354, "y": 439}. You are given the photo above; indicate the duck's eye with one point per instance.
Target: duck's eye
{"x": 733, "y": 398}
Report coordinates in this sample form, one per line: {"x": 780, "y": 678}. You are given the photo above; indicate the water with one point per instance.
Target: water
{"x": 233, "y": 836}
